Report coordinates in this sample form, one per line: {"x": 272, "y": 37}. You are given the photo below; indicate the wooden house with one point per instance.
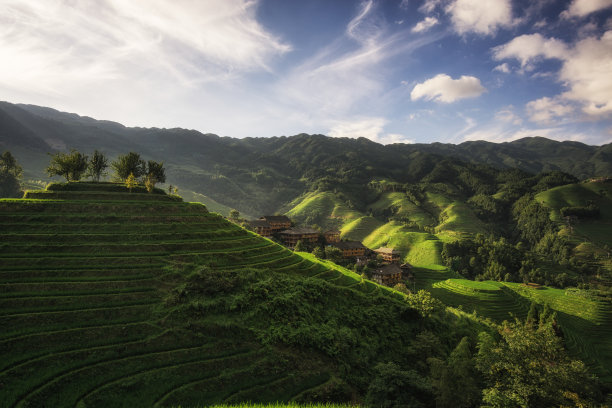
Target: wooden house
{"x": 261, "y": 227}
{"x": 388, "y": 275}
{"x": 291, "y": 236}
{"x": 407, "y": 271}
{"x": 388, "y": 254}
{"x": 332, "y": 236}
{"x": 277, "y": 222}
{"x": 350, "y": 249}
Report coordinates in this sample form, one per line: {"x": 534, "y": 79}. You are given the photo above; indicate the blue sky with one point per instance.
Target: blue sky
{"x": 390, "y": 70}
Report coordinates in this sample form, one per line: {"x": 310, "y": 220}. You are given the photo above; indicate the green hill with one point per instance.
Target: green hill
{"x": 112, "y": 298}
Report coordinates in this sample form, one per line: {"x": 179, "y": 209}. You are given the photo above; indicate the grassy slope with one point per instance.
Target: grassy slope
{"x": 586, "y": 322}
{"x": 85, "y": 285}
{"x": 575, "y": 195}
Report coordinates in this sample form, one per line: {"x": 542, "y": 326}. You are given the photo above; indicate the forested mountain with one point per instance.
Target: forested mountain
{"x": 258, "y": 175}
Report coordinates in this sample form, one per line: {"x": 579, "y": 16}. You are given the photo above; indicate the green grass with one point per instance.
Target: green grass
{"x": 404, "y": 208}
{"x": 322, "y": 208}
{"x": 84, "y": 280}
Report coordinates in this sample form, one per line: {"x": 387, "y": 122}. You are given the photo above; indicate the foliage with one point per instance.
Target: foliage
{"x": 590, "y": 211}
{"x": 234, "y": 215}
{"x": 333, "y": 254}
{"x": 130, "y": 182}
{"x": 299, "y": 246}
{"x": 10, "y": 174}
{"x": 426, "y": 304}
{"x": 155, "y": 173}
{"x": 69, "y": 165}
{"x": 528, "y": 367}
{"x": 456, "y": 380}
{"x": 393, "y": 387}
{"x": 127, "y": 164}
{"x": 97, "y": 166}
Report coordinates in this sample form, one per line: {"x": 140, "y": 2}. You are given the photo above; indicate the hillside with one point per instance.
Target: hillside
{"x": 116, "y": 298}
{"x": 263, "y": 175}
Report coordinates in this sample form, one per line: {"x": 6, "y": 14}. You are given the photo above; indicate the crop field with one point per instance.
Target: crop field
{"x": 83, "y": 278}
{"x": 586, "y": 320}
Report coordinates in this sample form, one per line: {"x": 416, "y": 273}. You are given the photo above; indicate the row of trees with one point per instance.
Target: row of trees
{"x": 129, "y": 168}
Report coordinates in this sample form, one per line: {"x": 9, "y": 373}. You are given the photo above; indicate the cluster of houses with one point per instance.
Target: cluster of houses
{"x": 389, "y": 272}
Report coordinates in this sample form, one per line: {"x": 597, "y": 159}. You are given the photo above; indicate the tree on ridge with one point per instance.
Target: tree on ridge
{"x": 69, "y": 165}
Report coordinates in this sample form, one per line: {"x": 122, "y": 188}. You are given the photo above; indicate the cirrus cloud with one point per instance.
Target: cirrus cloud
{"x": 443, "y": 88}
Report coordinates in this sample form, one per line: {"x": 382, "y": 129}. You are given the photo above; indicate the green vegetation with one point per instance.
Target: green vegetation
{"x": 106, "y": 292}
{"x": 69, "y": 165}
{"x": 10, "y": 175}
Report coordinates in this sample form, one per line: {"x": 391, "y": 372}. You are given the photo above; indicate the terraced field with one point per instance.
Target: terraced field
{"x": 83, "y": 276}
{"x": 586, "y": 321}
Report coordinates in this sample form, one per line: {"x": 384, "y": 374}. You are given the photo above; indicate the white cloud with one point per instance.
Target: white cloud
{"x": 505, "y": 68}
{"x": 528, "y": 47}
{"x": 428, "y": 5}
{"x": 50, "y": 47}
{"x": 480, "y": 16}
{"x": 581, "y": 8}
{"x": 507, "y": 115}
{"x": 586, "y": 69}
{"x": 365, "y": 28}
{"x": 588, "y": 73}
{"x": 442, "y": 88}
{"x": 425, "y": 24}
{"x": 369, "y": 128}
{"x": 548, "y": 110}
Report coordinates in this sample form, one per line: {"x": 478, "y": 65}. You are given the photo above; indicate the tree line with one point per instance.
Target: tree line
{"x": 129, "y": 168}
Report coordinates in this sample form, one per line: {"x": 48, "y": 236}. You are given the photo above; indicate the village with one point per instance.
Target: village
{"x": 382, "y": 265}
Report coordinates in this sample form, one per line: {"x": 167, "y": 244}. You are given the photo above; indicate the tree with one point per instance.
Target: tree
{"x": 528, "y": 367}
{"x": 130, "y": 182}
{"x": 127, "y": 164}
{"x": 455, "y": 380}
{"x": 318, "y": 252}
{"x": 234, "y": 215}
{"x": 97, "y": 166}
{"x": 10, "y": 173}
{"x": 393, "y": 387}
{"x": 333, "y": 254}
{"x": 299, "y": 246}
{"x": 426, "y": 304}
{"x": 69, "y": 165}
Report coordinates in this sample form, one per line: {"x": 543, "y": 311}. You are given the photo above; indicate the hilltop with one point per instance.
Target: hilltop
{"x": 262, "y": 175}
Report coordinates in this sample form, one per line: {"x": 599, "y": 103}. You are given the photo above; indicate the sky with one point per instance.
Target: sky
{"x": 394, "y": 71}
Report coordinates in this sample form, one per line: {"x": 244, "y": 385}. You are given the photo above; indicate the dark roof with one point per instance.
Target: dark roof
{"x": 299, "y": 231}
{"x": 275, "y": 218}
{"x": 259, "y": 223}
{"x": 384, "y": 250}
{"x": 348, "y": 245}
{"x": 406, "y": 265}
{"x": 390, "y": 269}
{"x": 332, "y": 232}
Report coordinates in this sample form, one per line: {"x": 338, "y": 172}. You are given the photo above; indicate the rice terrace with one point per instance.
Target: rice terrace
{"x": 309, "y": 204}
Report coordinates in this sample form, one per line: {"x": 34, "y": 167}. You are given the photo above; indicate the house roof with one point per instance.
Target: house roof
{"x": 348, "y": 245}
{"x": 385, "y": 250}
{"x": 406, "y": 266}
{"x": 259, "y": 223}
{"x": 332, "y": 232}
{"x": 390, "y": 269}
{"x": 299, "y": 231}
{"x": 275, "y": 218}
